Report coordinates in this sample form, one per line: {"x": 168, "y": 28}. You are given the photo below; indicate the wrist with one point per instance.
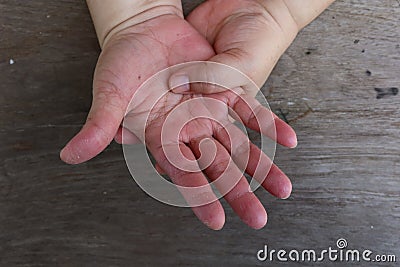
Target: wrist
{"x": 111, "y": 16}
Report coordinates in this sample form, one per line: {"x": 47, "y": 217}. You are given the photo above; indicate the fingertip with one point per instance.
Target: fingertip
{"x": 260, "y": 220}
{"x": 285, "y": 134}
{"x": 85, "y": 145}
{"x": 250, "y": 210}
{"x": 286, "y": 191}
{"x": 277, "y": 183}
{"x": 292, "y": 140}
{"x": 97, "y": 133}
{"x": 256, "y": 219}
{"x": 212, "y": 215}
{"x": 216, "y": 224}
{"x": 62, "y": 155}
{"x": 68, "y": 156}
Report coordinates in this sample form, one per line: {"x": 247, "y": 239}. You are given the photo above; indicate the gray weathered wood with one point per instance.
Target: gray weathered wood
{"x": 345, "y": 170}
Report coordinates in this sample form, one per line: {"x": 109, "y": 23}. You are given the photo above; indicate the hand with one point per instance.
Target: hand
{"x": 249, "y": 35}
{"x": 130, "y": 57}
{"x": 182, "y": 128}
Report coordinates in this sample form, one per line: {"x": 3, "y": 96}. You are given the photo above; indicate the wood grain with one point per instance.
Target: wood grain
{"x": 345, "y": 170}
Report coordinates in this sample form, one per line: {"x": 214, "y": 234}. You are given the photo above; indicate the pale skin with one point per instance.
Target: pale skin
{"x": 247, "y": 34}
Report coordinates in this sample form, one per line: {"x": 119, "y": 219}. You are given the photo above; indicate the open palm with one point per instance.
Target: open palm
{"x": 128, "y": 59}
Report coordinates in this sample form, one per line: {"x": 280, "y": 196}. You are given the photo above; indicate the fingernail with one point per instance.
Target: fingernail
{"x": 179, "y": 83}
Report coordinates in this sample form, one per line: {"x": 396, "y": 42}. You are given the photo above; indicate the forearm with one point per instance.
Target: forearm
{"x": 305, "y": 11}
{"x": 289, "y": 17}
{"x": 110, "y": 16}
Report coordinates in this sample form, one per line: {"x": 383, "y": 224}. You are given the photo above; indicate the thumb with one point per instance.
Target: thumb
{"x": 102, "y": 124}
{"x": 213, "y": 76}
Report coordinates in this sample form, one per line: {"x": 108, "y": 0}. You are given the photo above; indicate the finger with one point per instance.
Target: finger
{"x": 276, "y": 182}
{"x": 245, "y": 204}
{"x": 256, "y": 117}
{"x": 209, "y": 77}
{"x": 211, "y": 214}
{"x": 258, "y": 165}
{"x": 126, "y": 137}
{"x": 102, "y": 124}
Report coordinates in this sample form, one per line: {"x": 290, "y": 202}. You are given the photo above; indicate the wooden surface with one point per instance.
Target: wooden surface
{"x": 345, "y": 170}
